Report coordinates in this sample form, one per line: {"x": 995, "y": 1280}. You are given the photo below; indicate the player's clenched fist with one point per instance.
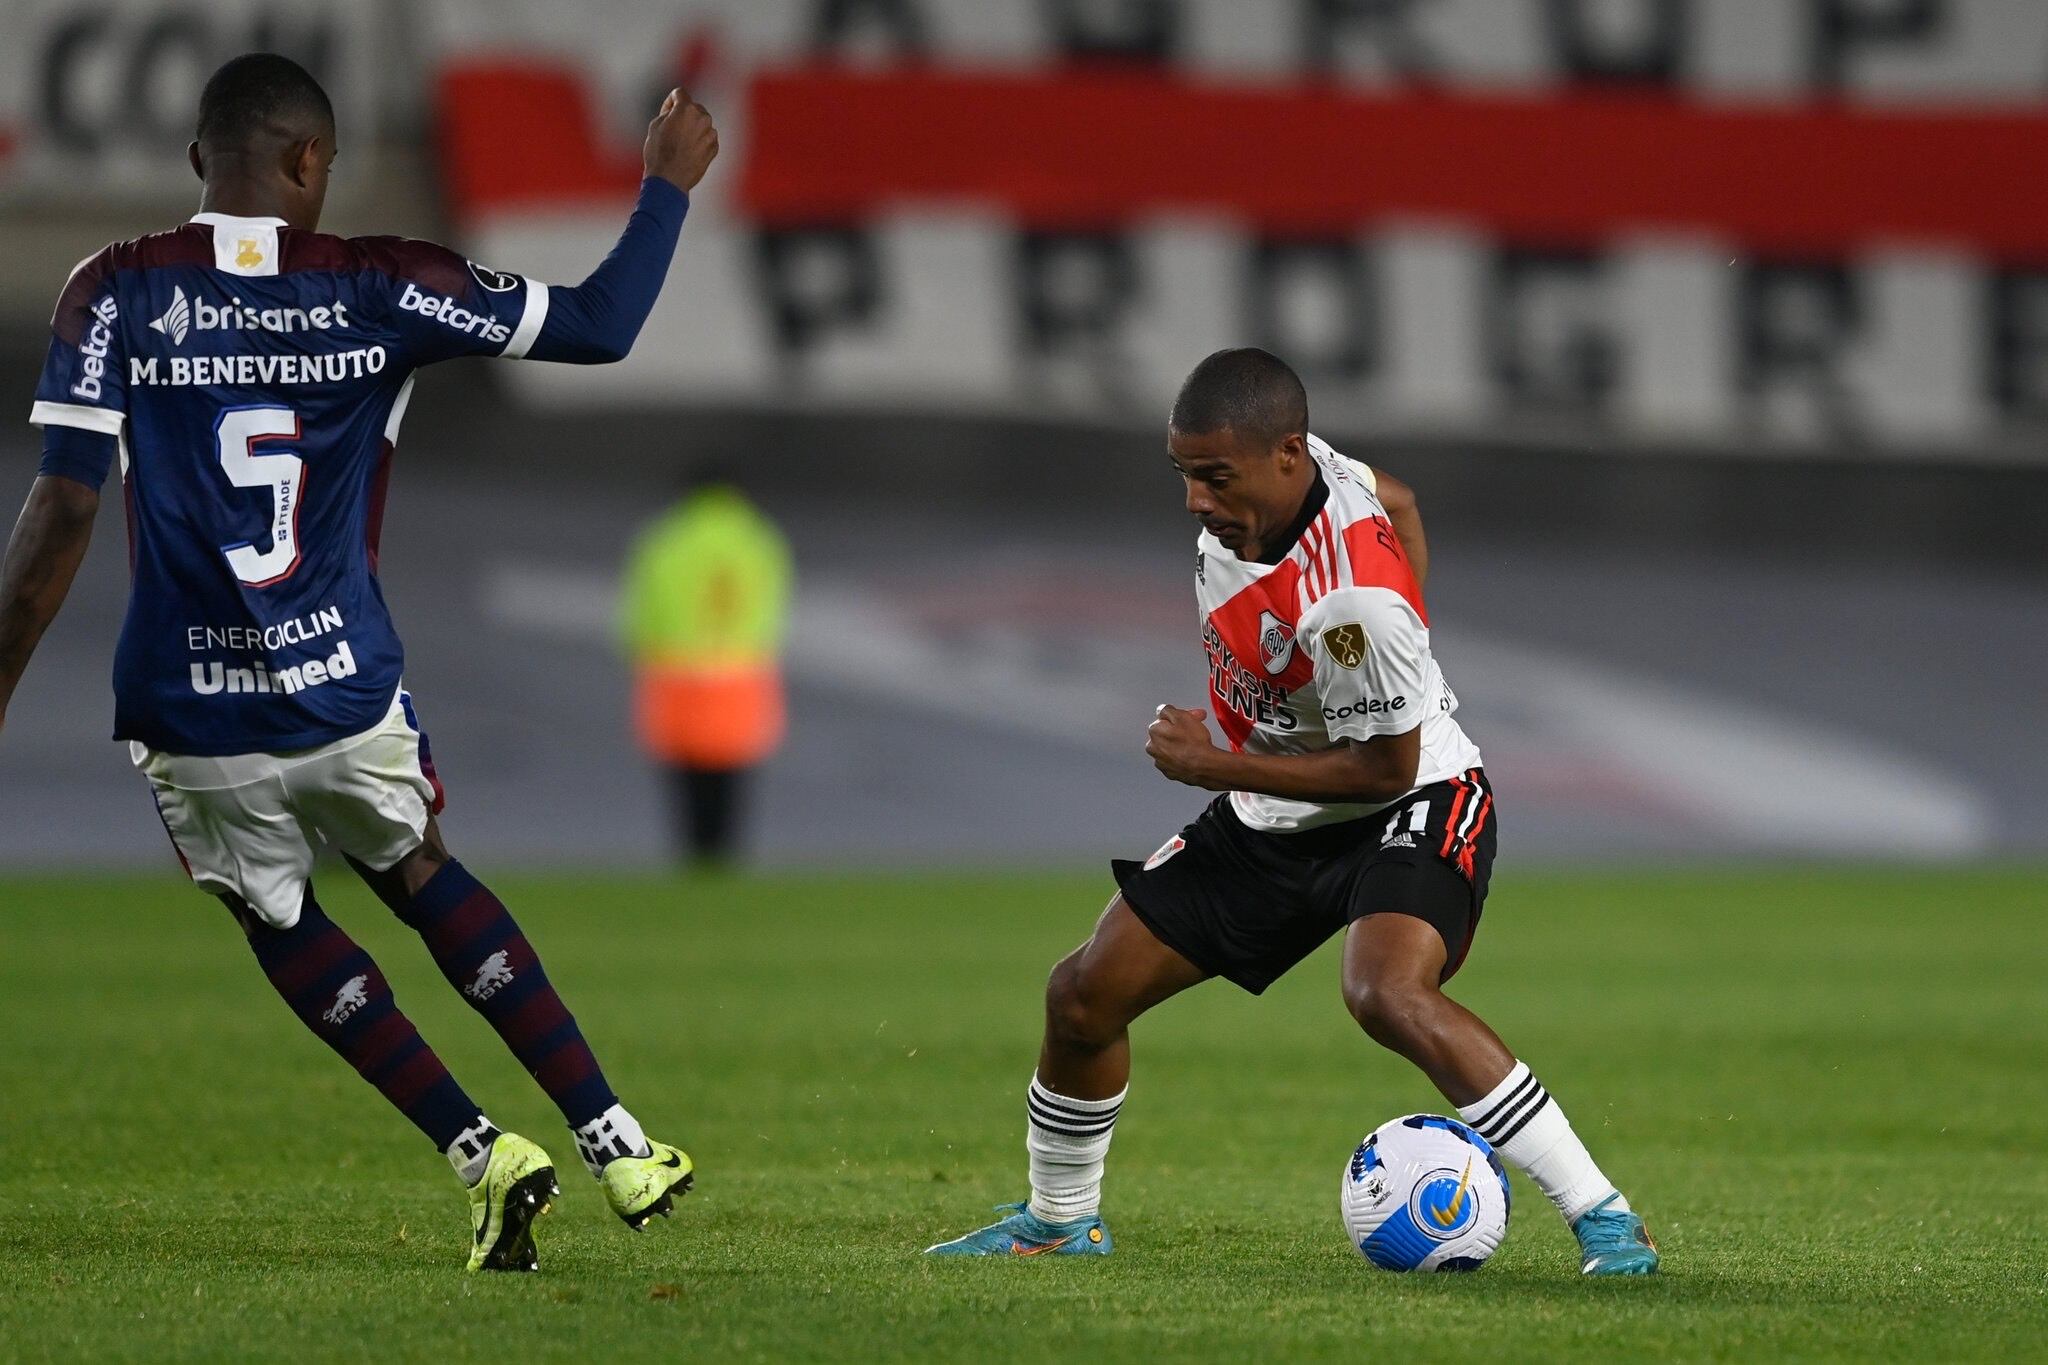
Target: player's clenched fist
{"x": 1179, "y": 745}
{"x": 681, "y": 141}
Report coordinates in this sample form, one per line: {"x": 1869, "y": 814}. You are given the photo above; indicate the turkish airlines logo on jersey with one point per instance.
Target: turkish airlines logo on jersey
{"x": 1276, "y": 642}
{"x": 194, "y": 314}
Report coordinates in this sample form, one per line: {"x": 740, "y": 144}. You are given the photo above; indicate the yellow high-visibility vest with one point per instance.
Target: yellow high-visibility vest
{"x": 708, "y": 586}
{"x": 705, "y": 612}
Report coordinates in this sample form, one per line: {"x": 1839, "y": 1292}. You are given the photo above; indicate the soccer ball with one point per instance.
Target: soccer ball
{"x": 1425, "y": 1193}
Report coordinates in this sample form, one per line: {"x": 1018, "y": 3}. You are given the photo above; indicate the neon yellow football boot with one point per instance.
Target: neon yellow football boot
{"x": 518, "y": 1187}
{"x": 638, "y": 1187}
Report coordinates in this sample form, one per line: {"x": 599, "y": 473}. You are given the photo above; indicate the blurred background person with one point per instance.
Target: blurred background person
{"x": 706, "y": 610}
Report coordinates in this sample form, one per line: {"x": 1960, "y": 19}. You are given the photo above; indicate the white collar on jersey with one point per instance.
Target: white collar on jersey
{"x": 229, "y": 220}
{"x": 243, "y": 246}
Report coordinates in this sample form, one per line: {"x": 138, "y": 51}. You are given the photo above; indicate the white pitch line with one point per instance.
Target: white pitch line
{"x": 1765, "y": 780}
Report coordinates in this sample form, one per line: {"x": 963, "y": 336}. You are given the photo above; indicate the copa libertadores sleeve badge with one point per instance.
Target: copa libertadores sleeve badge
{"x": 1347, "y": 643}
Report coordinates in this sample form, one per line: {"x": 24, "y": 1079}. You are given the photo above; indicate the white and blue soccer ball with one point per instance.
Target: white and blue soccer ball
{"x": 1425, "y": 1193}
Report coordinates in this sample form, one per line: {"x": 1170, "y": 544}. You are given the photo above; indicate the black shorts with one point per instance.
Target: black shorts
{"x": 1247, "y": 905}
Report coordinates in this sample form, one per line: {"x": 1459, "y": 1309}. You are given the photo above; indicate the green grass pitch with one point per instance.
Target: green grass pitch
{"x": 1828, "y": 1090}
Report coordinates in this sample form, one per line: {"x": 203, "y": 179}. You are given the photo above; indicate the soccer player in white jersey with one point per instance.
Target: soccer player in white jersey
{"x": 1351, "y": 800}
{"x": 248, "y": 374}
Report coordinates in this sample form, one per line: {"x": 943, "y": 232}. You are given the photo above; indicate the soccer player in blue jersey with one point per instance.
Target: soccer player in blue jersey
{"x": 248, "y": 373}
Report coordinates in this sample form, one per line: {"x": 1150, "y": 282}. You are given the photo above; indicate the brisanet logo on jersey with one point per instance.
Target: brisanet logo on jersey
{"x": 93, "y": 349}
{"x": 195, "y": 314}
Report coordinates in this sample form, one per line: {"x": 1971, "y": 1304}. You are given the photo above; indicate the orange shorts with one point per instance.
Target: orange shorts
{"x": 725, "y": 718}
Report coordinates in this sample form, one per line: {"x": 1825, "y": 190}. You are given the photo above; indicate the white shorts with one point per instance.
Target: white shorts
{"x": 246, "y": 824}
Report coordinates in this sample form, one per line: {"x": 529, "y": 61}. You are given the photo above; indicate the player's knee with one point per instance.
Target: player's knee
{"x": 1394, "y": 1013}
{"x": 255, "y": 922}
{"x": 1075, "y": 1014}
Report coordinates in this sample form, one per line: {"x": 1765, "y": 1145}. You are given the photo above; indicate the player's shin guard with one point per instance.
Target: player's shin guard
{"x": 481, "y": 951}
{"x": 1526, "y": 1126}
{"x": 1068, "y": 1141}
{"x": 336, "y": 990}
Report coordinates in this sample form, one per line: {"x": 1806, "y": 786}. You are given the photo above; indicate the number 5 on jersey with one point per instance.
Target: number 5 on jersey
{"x": 238, "y": 433}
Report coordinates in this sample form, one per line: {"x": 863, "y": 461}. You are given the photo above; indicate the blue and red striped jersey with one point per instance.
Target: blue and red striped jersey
{"x": 255, "y": 377}
{"x": 251, "y": 378}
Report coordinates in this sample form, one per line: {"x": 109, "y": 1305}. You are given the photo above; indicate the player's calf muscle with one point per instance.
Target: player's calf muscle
{"x": 1391, "y": 966}
{"x": 1452, "y": 1046}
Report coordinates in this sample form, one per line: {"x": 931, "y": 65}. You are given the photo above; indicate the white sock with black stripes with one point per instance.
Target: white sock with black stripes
{"x": 1068, "y": 1140}
{"x": 1528, "y": 1128}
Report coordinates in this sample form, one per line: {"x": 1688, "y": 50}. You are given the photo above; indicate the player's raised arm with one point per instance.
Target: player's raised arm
{"x": 597, "y": 321}
{"x": 444, "y": 306}
{"x": 681, "y": 142}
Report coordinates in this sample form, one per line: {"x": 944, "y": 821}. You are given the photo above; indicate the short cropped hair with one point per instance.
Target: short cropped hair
{"x": 261, "y": 92}
{"x": 1250, "y": 391}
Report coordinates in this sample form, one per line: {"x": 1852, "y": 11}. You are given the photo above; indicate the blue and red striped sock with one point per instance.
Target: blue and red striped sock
{"x": 481, "y": 951}
{"x": 337, "y": 992}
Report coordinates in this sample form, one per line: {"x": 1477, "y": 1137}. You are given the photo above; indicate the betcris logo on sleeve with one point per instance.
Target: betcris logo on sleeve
{"x": 449, "y": 313}
{"x": 93, "y": 349}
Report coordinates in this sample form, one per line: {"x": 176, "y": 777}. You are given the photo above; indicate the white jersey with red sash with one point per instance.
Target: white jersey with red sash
{"x": 1329, "y": 644}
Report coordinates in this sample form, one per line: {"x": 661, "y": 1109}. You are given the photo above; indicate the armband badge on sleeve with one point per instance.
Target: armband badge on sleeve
{"x": 496, "y": 281}
{"x": 1347, "y": 643}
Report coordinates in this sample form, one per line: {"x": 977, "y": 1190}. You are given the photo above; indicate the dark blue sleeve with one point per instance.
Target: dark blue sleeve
{"x": 442, "y": 306}
{"x": 82, "y": 456}
{"x": 82, "y": 398}
{"x": 597, "y": 321}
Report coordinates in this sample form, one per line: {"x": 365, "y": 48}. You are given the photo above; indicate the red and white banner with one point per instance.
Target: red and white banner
{"x": 1755, "y": 224}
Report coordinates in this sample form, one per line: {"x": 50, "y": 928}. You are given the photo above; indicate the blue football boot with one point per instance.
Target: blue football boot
{"x": 1614, "y": 1242}
{"x": 1023, "y": 1233}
